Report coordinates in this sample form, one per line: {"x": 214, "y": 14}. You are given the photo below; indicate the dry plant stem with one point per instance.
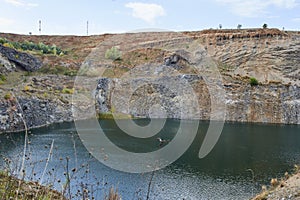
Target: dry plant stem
{"x": 75, "y": 152}
{"x": 149, "y": 185}
{"x": 67, "y": 184}
{"x": 47, "y": 161}
{"x": 22, "y": 169}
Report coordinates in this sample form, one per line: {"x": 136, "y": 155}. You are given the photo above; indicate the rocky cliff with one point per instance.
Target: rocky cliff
{"x": 176, "y": 75}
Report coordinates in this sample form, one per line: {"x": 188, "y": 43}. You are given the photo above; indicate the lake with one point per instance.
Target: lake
{"x": 245, "y": 157}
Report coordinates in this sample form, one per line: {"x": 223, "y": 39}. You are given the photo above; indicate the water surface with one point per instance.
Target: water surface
{"x": 226, "y": 173}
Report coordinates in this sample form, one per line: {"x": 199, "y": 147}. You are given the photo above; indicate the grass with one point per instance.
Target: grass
{"x": 13, "y": 188}
{"x": 113, "y": 195}
{"x": 274, "y": 184}
{"x": 109, "y": 115}
{"x": 58, "y": 70}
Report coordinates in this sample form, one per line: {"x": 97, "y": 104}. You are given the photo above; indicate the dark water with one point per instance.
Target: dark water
{"x": 226, "y": 173}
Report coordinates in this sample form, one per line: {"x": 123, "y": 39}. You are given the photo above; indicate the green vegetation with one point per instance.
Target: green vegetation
{"x": 113, "y": 115}
{"x": 67, "y": 91}
{"x": 113, "y": 54}
{"x": 265, "y": 26}
{"x": 253, "y": 81}
{"x": 30, "y": 46}
{"x": 13, "y": 188}
{"x": 2, "y": 78}
{"x": 27, "y": 88}
{"x": 58, "y": 70}
{"x": 7, "y": 96}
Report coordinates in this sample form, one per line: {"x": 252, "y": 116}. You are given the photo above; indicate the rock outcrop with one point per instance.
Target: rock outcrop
{"x": 24, "y": 60}
{"x": 34, "y": 112}
{"x": 167, "y": 85}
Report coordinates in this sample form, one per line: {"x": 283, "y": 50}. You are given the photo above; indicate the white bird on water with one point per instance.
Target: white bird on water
{"x": 162, "y": 141}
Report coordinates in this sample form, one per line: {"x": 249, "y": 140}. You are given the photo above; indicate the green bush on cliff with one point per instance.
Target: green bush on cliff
{"x": 7, "y": 96}
{"x": 3, "y": 40}
{"x": 67, "y": 91}
{"x": 30, "y": 46}
{"x": 113, "y": 53}
{"x": 3, "y": 77}
{"x": 253, "y": 81}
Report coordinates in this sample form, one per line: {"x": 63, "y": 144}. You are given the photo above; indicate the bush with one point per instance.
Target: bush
{"x": 30, "y": 46}
{"x": 113, "y": 54}
{"x": 27, "y": 88}
{"x": 3, "y": 40}
{"x": 67, "y": 91}
{"x": 7, "y": 96}
{"x": 2, "y": 77}
{"x": 265, "y": 26}
{"x": 253, "y": 81}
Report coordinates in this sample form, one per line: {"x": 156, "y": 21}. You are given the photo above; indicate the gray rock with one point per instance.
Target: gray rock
{"x": 24, "y": 60}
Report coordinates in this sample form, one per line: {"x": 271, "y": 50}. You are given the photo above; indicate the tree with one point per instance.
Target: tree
{"x": 239, "y": 26}
{"x": 220, "y": 26}
{"x": 265, "y": 26}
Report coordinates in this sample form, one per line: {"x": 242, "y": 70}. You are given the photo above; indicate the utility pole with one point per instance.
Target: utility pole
{"x": 87, "y": 28}
{"x": 40, "y": 26}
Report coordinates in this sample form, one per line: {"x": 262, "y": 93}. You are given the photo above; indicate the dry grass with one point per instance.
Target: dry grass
{"x": 113, "y": 195}
{"x": 285, "y": 188}
{"x": 13, "y": 188}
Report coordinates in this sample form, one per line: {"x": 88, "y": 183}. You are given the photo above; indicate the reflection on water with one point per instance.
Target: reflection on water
{"x": 268, "y": 150}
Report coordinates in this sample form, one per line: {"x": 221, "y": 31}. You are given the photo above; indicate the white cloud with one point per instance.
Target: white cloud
{"x": 4, "y": 21}
{"x": 20, "y": 3}
{"x": 145, "y": 11}
{"x": 254, "y": 8}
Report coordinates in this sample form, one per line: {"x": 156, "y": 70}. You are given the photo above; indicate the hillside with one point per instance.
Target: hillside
{"x": 270, "y": 56}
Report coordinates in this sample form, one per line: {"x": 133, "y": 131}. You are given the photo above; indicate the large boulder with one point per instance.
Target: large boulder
{"x": 6, "y": 65}
{"x": 24, "y": 60}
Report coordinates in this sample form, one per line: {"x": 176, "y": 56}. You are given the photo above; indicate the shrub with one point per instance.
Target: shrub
{"x": 265, "y": 26}
{"x": 26, "y": 88}
{"x": 7, "y": 96}
{"x": 113, "y": 53}
{"x": 253, "y": 81}
{"x": 2, "y": 77}
{"x": 67, "y": 91}
{"x": 30, "y": 46}
{"x": 3, "y": 40}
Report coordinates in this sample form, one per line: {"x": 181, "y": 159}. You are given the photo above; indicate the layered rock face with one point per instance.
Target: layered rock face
{"x": 176, "y": 80}
{"x": 272, "y": 58}
{"x": 24, "y": 60}
{"x": 244, "y": 103}
{"x": 32, "y": 111}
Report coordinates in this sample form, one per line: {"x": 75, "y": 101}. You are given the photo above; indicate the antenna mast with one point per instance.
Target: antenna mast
{"x": 40, "y": 26}
{"x": 87, "y": 28}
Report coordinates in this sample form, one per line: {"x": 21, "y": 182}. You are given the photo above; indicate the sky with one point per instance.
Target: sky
{"x": 70, "y": 17}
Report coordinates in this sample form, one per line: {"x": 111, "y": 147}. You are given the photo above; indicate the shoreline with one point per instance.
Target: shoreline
{"x": 287, "y": 187}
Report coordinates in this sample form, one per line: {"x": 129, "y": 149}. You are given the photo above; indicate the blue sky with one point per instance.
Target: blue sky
{"x": 114, "y": 16}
